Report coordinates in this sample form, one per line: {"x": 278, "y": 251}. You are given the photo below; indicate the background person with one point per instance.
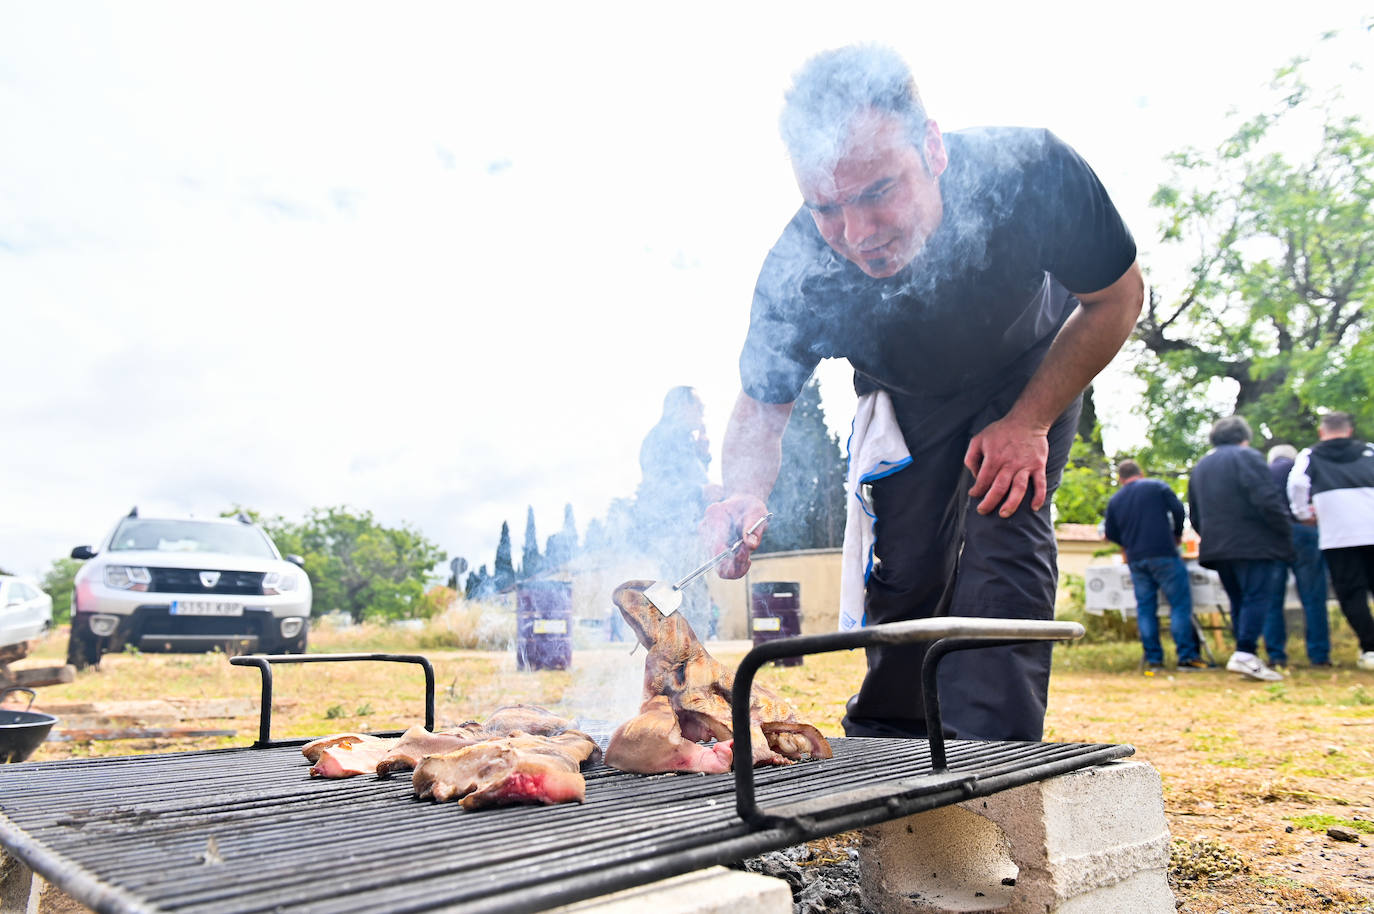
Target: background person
{"x": 1333, "y": 482}
{"x": 675, "y": 489}
{"x": 1309, "y": 577}
{"x": 1243, "y": 523}
{"x": 1145, "y": 518}
{"x": 976, "y": 283}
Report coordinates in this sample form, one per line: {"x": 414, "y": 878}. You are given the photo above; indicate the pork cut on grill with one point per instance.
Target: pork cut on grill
{"x": 417, "y": 743}
{"x": 312, "y": 749}
{"x": 687, "y": 700}
{"x": 521, "y": 768}
{"x": 507, "y": 720}
{"x": 521, "y": 754}
{"x": 350, "y": 756}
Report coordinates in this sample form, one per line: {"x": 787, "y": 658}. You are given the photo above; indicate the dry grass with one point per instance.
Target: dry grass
{"x": 1252, "y": 773}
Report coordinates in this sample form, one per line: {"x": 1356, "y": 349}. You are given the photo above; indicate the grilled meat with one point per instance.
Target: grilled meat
{"x": 417, "y": 743}
{"x": 312, "y": 749}
{"x": 653, "y": 742}
{"x": 697, "y": 688}
{"x": 508, "y": 720}
{"x": 345, "y": 759}
{"x": 347, "y": 754}
{"x": 516, "y": 769}
{"x": 530, "y": 719}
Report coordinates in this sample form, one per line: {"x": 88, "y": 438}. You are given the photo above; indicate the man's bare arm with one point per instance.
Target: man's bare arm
{"x": 1008, "y": 457}
{"x": 751, "y": 456}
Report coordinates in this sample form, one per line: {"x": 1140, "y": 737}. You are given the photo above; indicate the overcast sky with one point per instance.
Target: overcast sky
{"x": 441, "y": 262}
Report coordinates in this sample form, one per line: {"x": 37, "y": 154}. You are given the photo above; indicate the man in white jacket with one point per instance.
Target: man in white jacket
{"x": 1334, "y": 481}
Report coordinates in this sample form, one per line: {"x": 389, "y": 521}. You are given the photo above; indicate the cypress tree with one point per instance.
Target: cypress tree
{"x": 503, "y": 576}
{"x": 530, "y": 562}
{"x": 808, "y": 499}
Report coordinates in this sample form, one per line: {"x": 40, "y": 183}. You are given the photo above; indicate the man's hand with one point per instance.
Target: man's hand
{"x": 1007, "y": 459}
{"x": 723, "y": 523}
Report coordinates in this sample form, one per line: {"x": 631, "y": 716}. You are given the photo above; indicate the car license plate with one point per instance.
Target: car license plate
{"x": 205, "y": 608}
{"x": 768, "y": 624}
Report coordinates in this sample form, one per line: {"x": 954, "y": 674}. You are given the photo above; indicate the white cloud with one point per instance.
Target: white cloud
{"x": 442, "y": 262}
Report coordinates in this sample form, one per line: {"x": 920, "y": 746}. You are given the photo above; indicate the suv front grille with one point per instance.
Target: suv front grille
{"x": 187, "y": 580}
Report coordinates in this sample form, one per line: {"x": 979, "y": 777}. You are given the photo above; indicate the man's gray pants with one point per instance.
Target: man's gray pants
{"x": 935, "y": 555}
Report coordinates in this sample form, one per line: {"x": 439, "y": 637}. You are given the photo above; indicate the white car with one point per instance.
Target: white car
{"x": 182, "y": 585}
{"x": 25, "y": 611}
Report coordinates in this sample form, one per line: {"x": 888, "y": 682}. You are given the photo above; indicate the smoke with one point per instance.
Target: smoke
{"x": 833, "y": 89}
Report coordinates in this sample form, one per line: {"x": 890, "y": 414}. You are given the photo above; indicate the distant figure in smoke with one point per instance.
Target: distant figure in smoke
{"x": 674, "y": 492}
{"x": 976, "y": 282}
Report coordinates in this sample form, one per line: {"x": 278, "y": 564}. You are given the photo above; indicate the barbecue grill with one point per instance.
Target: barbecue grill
{"x": 243, "y": 830}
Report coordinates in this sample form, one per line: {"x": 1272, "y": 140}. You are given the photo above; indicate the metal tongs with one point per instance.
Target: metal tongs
{"x": 668, "y": 597}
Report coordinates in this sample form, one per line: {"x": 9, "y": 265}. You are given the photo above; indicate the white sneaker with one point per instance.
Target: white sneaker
{"x": 1252, "y": 666}
{"x": 1366, "y": 661}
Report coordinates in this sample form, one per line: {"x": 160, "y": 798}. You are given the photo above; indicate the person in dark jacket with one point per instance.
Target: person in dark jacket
{"x": 1309, "y": 576}
{"x": 1243, "y": 523}
{"x": 1334, "y": 482}
{"x": 1145, "y": 518}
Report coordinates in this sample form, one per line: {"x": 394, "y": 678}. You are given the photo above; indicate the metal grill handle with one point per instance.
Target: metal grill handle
{"x": 968, "y": 632}
{"x": 264, "y": 664}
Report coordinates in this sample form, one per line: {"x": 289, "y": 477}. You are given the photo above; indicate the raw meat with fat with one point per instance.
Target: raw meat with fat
{"x": 516, "y": 769}
{"x": 696, "y": 688}
{"x": 346, "y": 759}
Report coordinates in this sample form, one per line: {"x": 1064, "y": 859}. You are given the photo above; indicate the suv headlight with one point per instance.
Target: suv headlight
{"x": 275, "y": 582}
{"x": 127, "y": 577}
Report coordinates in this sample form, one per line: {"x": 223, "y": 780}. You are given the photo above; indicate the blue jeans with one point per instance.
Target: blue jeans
{"x": 1169, "y": 574}
{"x": 1309, "y": 575}
{"x": 1252, "y": 586}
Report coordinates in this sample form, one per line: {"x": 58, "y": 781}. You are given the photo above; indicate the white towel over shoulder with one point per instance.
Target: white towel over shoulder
{"x": 876, "y": 449}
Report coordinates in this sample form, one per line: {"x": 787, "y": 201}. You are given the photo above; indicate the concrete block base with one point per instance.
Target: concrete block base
{"x": 715, "y": 890}
{"x": 1093, "y": 840}
{"x": 19, "y": 887}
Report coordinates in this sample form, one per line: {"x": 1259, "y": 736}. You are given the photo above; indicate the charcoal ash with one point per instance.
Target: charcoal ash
{"x": 824, "y": 879}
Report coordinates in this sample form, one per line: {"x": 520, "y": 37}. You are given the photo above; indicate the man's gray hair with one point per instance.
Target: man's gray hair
{"x": 1230, "y": 430}
{"x": 1282, "y": 450}
{"x": 834, "y": 87}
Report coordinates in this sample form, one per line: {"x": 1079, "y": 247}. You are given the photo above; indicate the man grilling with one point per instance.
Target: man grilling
{"x": 976, "y": 283}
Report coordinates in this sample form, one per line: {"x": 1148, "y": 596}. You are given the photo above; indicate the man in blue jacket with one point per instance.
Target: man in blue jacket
{"x": 1243, "y": 522}
{"x": 1145, "y": 518}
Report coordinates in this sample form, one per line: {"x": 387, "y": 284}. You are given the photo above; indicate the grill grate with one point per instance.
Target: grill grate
{"x": 243, "y": 830}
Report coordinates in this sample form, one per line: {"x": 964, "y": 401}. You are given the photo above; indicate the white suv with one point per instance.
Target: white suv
{"x": 174, "y": 585}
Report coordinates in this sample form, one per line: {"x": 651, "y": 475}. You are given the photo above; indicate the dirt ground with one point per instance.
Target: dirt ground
{"x": 1254, "y": 775}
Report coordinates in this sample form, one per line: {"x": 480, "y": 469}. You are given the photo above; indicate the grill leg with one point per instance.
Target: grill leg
{"x": 19, "y": 887}
{"x": 1057, "y": 845}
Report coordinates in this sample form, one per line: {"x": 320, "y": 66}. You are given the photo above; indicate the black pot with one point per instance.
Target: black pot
{"x": 21, "y": 732}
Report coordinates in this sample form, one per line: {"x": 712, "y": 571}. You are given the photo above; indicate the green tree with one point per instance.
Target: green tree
{"x": 1085, "y": 487}
{"x": 58, "y": 584}
{"x": 503, "y": 573}
{"x": 1274, "y": 320}
{"x": 562, "y": 546}
{"x": 808, "y": 499}
{"x": 355, "y": 564}
{"x": 530, "y": 560}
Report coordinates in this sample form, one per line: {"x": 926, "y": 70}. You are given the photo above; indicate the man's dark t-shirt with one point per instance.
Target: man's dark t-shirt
{"x": 1024, "y": 221}
{"x": 1146, "y": 518}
